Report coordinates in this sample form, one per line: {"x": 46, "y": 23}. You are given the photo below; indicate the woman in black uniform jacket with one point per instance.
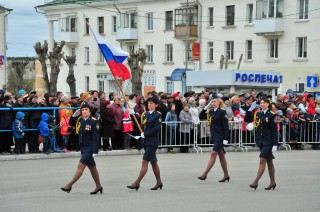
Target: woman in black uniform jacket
{"x": 152, "y": 125}
{"x": 89, "y": 142}
{"x": 266, "y": 138}
{"x": 219, "y": 129}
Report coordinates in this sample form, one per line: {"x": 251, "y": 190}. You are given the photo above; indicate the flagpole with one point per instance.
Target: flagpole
{"x": 124, "y": 96}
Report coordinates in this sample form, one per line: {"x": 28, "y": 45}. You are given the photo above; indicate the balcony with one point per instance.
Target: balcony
{"x": 71, "y": 38}
{"x": 127, "y": 34}
{"x": 183, "y": 32}
{"x": 269, "y": 27}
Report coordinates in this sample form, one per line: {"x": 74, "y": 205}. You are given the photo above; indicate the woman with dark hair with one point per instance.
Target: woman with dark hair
{"x": 219, "y": 128}
{"x": 266, "y": 139}
{"x": 89, "y": 138}
{"x": 107, "y": 120}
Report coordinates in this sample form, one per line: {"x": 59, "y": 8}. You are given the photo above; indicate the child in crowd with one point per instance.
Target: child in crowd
{"x": 53, "y": 130}
{"x": 171, "y": 127}
{"x": 45, "y": 133}
{"x": 237, "y": 126}
{"x": 127, "y": 128}
{"x": 64, "y": 123}
{"x": 18, "y": 132}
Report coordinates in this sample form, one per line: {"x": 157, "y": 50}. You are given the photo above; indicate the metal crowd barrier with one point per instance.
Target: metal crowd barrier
{"x": 199, "y": 135}
{"x": 54, "y": 112}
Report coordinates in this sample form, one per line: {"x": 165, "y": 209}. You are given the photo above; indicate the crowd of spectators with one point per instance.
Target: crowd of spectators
{"x": 295, "y": 112}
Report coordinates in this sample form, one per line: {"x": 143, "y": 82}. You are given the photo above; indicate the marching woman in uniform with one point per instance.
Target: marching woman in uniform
{"x": 266, "y": 138}
{"x": 89, "y": 141}
{"x": 219, "y": 129}
{"x": 151, "y": 121}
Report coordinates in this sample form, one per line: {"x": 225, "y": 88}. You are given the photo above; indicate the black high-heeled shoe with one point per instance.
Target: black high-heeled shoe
{"x": 271, "y": 187}
{"x": 224, "y": 179}
{"x": 99, "y": 190}
{"x": 134, "y": 187}
{"x": 66, "y": 190}
{"x": 202, "y": 177}
{"x": 157, "y": 186}
{"x": 254, "y": 186}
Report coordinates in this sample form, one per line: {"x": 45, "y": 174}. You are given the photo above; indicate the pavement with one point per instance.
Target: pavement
{"x": 34, "y": 185}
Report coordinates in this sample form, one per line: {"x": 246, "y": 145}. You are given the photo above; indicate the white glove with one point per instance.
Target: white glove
{"x": 94, "y": 155}
{"x": 225, "y": 142}
{"x": 132, "y": 111}
{"x": 142, "y": 135}
{"x": 253, "y": 106}
{"x": 274, "y": 149}
{"x": 76, "y": 114}
{"x": 208, "y": 106}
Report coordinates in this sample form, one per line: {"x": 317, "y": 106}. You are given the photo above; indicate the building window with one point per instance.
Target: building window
{"x": 230, "y": 50}
{"x": 249, "y": 13}
{"x": 273, "y": 48}
{"x": 169, "y": 20}
{"x": 188, "y": 53}
{"x": 100, "y": 25}
{"x": 86, "y": 55}
{"x": 149, "y": 21}
{"x": 149, "y": 78}
{"x": 149, "y": 53}
{"x": 100, "y": 85}
{"x": 73, "y": 51}
{"x": 87, "y": 26}
{"x": 210, "y": 16}
{"x": 210, "y": 51}
{"x": 230, "y": 15}
{"x": 87, "y": 87}
{"x": 169, "y": 85}
{"x": 303, "y": 9}
{"x": 168, "y": 56}
{"x": 300, "y": 87}
{"x": 130, "y": 48}
{"x": 186, "y": 16}
{"x": 270, "y": 9}
{"x": 249, "y": 49}
{"x": 302, "y": 47}
{"x": 100, "y": 56}
{"x": 114, "y": 23}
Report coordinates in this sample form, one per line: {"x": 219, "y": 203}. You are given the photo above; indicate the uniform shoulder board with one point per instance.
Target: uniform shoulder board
{"x": 93, "y": 118}
{"x": 222, "y": 109}
{"x": 159, "y": 112}
{"x": 272, "y": 112}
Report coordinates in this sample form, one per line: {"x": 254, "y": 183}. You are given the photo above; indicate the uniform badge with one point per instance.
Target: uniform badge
{"x": 88, "y": 127}
{"x": 267, "y": 120}
{"x": 98, "y": 126}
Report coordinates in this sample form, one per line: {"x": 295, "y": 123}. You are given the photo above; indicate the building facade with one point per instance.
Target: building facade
{"x": 279, "y": 36}
{"x": 4, "y": 12}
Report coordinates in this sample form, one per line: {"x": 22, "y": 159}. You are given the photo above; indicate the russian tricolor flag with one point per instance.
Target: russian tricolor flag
{"x": 114, "y": 56}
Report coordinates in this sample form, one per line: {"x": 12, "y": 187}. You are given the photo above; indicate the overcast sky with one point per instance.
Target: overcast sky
{"x": 25, "y": 27}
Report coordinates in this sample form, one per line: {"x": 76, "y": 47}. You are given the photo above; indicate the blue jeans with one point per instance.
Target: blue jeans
{"x": 47, "y": 143}
{"x": 171, "y": 133}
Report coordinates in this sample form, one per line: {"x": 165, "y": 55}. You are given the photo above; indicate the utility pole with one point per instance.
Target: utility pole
{"x": 186, "y": 47}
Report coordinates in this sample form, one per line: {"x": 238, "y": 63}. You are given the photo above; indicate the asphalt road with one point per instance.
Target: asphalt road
{"x": 34, "y": 185}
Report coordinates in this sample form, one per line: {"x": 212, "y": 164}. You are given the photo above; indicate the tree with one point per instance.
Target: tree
{"x": 42, "y": 52}
{"x": 55, "y": 59}
{"x": 19, "y": 69}
{"x": 136, "y": 62}
{"x": 71, "y": 80}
